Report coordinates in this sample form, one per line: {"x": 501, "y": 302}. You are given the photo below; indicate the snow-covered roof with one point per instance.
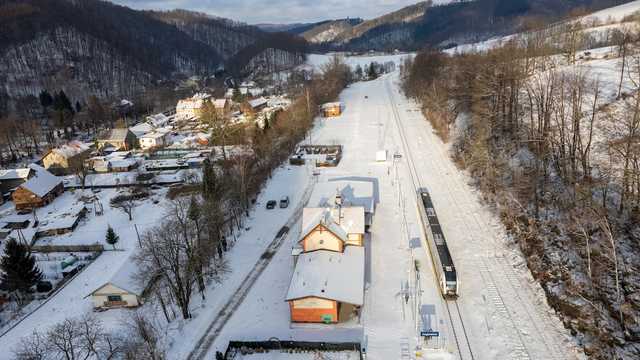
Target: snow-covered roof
{"x": 141, "y": 129}
{"x": 341, "y": 222}
{"x": 122, "y": 163}
{"x": 154, "y": 135}
{"x": 354, "y": 193}
{"x": 71, "y": 149}
{"x": 42, "y": 182}
{"x": 119, "y": 154}
{"x": 124, "y": 279}
{"x": 329, "y": 275}
{"x": 331, "y": 105}
{"x": 14, "y": 174}
{"x": 61, "y": 220}
{"x": 115, "y": 135}
{"x": 257, "y": 102}
{"x": 158, "y": 120}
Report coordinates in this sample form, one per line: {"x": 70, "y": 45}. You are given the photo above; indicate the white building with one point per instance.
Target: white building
{"x": 154, "y": 139}
{"x": 122, "y": 290}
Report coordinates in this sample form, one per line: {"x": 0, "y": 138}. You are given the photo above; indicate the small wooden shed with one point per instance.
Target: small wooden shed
{"x": 38, "y": 191}
{"x": 332, "y": 109}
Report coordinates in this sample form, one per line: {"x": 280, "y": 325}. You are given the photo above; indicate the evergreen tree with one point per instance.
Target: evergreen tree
{"x": 111, "y": 238}
{"x": 61, "y": 102}
{"x": 19, "y": 270}
{"x": 237, "y": 95}
{"x": 46, "y": 99}
{"x": 209, "y": 181}
{"x": 371, "y": 72}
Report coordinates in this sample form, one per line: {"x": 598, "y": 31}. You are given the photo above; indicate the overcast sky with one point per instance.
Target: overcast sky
{"x": 277, "y": 11}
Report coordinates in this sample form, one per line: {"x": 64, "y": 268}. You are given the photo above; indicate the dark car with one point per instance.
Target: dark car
{"x": 271, "y": 204}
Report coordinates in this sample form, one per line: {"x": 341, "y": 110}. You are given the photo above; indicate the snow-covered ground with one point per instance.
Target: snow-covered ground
{"x": 616, "y": 13}
{"x": 316, "y": 61}
{"x": 72, "y": 300}
{"x": 503, "y": 308}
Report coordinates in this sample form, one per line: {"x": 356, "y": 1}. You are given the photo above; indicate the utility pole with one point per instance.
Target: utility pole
{"x": 138, "y": 235}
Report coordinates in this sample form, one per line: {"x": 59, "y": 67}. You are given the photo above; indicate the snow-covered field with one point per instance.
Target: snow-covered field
{"x": 616, "y": 13}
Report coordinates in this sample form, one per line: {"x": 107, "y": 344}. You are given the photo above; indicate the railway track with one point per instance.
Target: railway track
{"x": 459, "y": 330}
{"x": 510, "y": 282}
{"x": 228, "y": 309}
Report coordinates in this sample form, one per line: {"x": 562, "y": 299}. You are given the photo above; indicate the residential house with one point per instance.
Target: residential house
{"x": 122, "y": 290}
{"x": 223, "y": 106}
{"x": 254, "y": 106}
{"x": 12, "y": 178}
{"x": 192, "y": 107}
{"x": 141, "y": 129}
{"x": 119, "y": 139}
{"x": 154, "y": 139}
{"x": 332, "y": 109}
{"x": 38, "y": 191}
{"x": 67, "y": 158}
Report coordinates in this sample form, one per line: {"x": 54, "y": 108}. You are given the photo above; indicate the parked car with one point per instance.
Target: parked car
{"x": 284, "y": 202}
{"x": 44, "y": 286}
{"x": 271, "y": 204}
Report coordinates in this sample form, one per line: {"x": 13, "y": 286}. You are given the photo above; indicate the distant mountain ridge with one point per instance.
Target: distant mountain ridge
{"x": 423, "y": 24}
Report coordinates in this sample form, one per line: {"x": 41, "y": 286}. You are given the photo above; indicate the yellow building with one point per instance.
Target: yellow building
{"x": 191, "y": 108}
{"x": 67, "y": 158}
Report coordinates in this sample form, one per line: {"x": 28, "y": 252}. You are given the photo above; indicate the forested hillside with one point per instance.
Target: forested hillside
{"x": 423, "y": 25}
{"x": 96, "y": 47}
{"x": 547, "y": 125}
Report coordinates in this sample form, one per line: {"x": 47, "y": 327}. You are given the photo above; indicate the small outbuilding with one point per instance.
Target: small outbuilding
{"x": 332, "y": 109}
{"x": 12, "y": 178}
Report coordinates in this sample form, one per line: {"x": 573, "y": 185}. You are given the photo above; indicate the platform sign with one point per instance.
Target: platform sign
{"x": 430, "y": 334}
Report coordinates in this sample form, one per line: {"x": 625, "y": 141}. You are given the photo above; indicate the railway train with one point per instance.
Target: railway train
{"x": 440, "y": 256}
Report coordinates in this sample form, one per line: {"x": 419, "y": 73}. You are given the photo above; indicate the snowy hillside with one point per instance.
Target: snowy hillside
{"x": 563, "y": 99}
